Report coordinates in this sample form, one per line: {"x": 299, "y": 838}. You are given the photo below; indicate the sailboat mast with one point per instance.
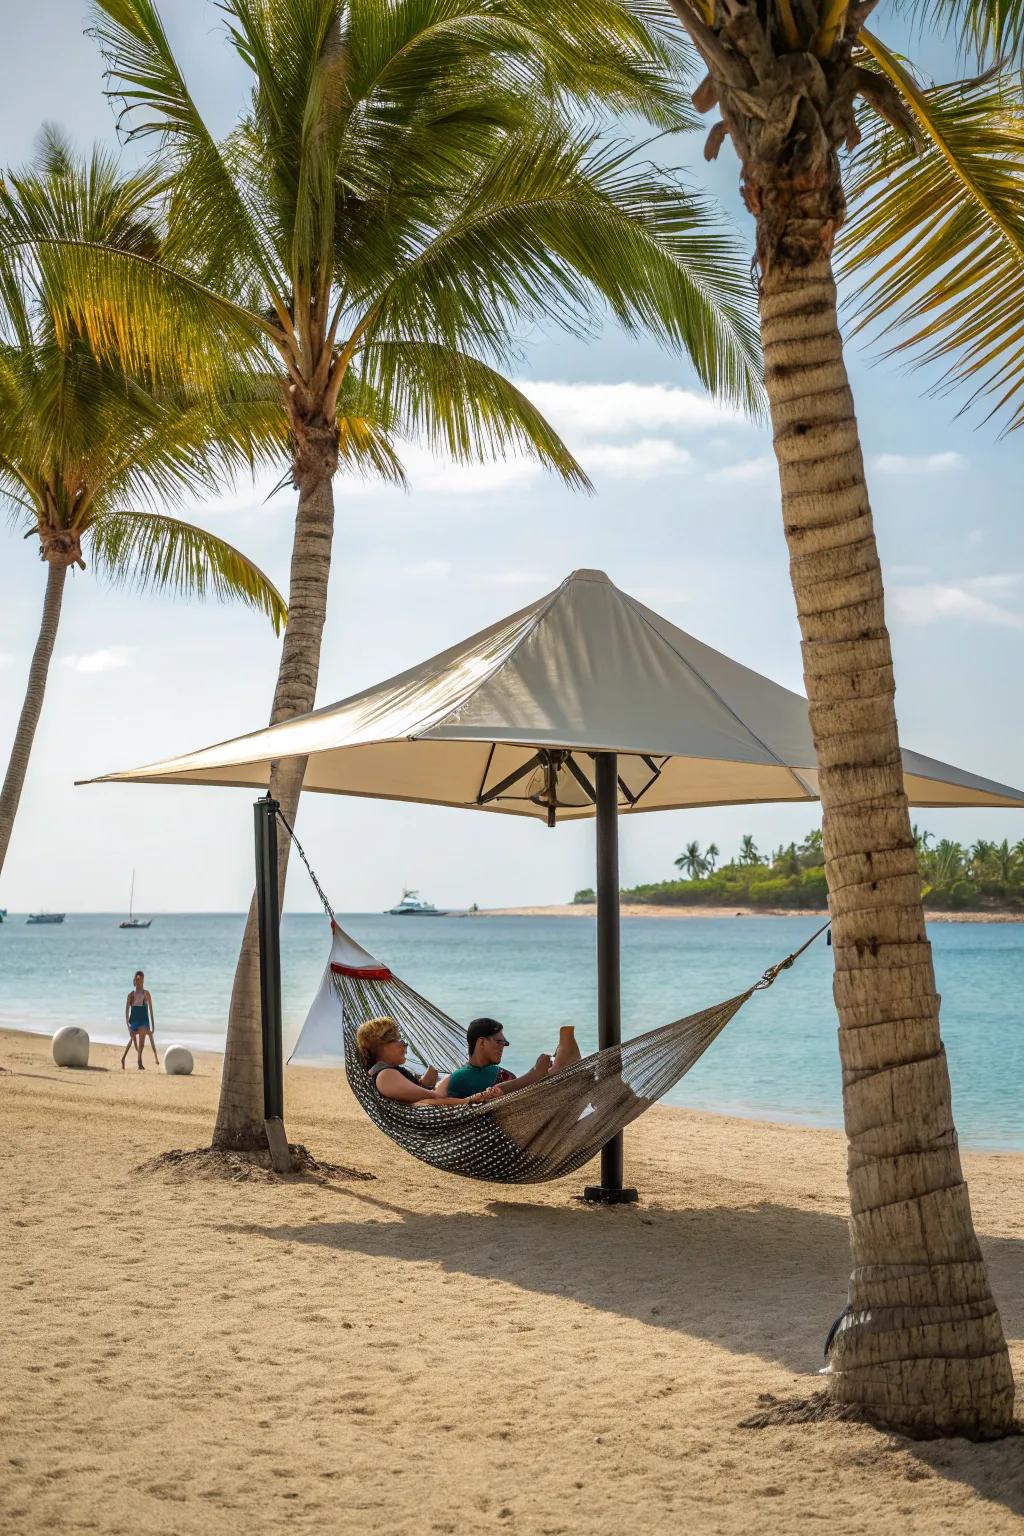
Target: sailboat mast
{"x": 131, "y": 899}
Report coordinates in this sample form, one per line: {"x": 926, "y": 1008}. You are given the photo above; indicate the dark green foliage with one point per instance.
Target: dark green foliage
{"x": 986, "y": 876}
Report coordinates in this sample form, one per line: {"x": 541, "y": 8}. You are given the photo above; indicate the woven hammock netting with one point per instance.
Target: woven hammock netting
{"x": 539, "y": 1132}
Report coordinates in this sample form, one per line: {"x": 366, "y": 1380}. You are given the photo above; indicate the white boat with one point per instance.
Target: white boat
{"x": 131, "y": 921}
{"x": 45, "y": 917}
{"x": 411, "y": 906}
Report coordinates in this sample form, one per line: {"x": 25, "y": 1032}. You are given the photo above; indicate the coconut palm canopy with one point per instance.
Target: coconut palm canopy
{"x": 508, "y": 720}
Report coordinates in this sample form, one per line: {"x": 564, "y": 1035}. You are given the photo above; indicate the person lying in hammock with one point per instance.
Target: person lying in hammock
{"x": 383, "y": 1051}
{"x": 483, "y": 1073}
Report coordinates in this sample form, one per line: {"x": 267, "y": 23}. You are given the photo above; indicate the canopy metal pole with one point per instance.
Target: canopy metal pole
{"x": 268, "y": 910}
{"x": 610, "y": 1191}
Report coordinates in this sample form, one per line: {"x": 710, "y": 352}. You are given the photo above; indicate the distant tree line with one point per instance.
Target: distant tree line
{"x": 979, "y": 877}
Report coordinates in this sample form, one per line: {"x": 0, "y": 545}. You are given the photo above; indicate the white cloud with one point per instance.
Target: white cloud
{"x": 746, "y": 472}
{"x": 6, "y": 657}
{"x": 516, "y": 579}
{"x": 918, "y": 463}
{"x": 1006, "y": 581}
{"x": 641, "y": 420}
{"x": 109, "y": 660}
{"x": 428, "y": 569}
{"x": 907, "y": 572}
{"x": 587, "y": 411}
{"x": 663, "y": 597}
{"x": 247, "y": 494}
{"x": 426, "y": 472}
{"x": 935, "y": 601}
{"x": 635, "y": 461}
{"x": 470, "y": 479}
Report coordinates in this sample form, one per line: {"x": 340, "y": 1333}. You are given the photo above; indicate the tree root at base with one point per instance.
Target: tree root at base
{"x": 244, "y": 1167}
{"x": 819, "y": 1408}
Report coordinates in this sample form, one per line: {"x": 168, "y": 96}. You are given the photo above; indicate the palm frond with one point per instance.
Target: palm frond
{"x": 602, "y": 55}
{"x": 461, "y": 406}
{"x": 149, "y": 316}
{"x": 210, "y": 217}
{"x": 60, "y": 197}
{"x": 550, "y": 228}
{"x": 990, "y": 29}
{"x": 367, "y": 450}
{"x": 152, "y": 552}
{"x": 935, "y": 241}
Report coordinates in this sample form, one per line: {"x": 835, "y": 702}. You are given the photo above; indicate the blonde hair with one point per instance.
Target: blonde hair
{"x": 368, "y": 1037}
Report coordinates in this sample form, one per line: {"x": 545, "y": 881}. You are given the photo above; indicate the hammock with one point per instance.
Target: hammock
{"x": 539, "y": 1132}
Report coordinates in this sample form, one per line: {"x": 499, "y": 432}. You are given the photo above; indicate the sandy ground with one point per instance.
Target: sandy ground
{"x": 408, "y": 1353}
{"x": 635, "y": 909}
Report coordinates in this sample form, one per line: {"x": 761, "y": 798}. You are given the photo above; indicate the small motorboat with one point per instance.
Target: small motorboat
{"x": 45, "y": 917}
{"x": 411, "y": 906}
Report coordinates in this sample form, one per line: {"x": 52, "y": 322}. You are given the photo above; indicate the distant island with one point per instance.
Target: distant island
{"x": 986, "y": 878}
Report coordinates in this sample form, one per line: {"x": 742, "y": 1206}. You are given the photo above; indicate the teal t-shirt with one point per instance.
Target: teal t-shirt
{"x": 468, "y": 1080}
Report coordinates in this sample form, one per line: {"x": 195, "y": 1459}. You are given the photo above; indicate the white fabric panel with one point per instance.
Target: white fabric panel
{"x": 592, "y": 672}
{"x": 319, "y": 1037}
{"x": 586, "y": 667}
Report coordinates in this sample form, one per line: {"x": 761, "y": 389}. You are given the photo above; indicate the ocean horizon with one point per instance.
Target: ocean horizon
{"x": 777, "y": 1060}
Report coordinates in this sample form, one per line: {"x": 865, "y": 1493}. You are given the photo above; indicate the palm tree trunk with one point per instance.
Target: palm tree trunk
{"x": 24, "y": 736}
{"x": 240, "y": 1110}
{"x": 924, "y": 1350}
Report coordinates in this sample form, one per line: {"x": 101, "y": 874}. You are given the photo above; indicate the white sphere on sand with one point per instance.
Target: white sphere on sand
{"x": 178, "y": 1060}
{"x": 70, "y": 1046}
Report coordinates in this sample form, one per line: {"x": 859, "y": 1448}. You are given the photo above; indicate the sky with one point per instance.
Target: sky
{"x": 685, "y": 517}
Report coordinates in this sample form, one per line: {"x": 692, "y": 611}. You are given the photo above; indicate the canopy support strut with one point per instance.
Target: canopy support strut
{"x": 610, "y": 1191}
{"x": 268, "y": 909}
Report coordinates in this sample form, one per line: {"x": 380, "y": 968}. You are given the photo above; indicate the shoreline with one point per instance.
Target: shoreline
{"x": 638, "y": 909}
{"x": 209, "y": 1059}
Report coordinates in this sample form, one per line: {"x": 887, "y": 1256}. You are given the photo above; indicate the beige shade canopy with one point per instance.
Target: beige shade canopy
{"x": 508, "y": 720}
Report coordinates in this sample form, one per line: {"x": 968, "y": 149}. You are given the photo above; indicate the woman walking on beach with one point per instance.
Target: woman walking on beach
{"x": 138, "y": 1015}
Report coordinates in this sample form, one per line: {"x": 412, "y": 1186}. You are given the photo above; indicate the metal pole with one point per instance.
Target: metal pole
{"x": 610, "y": 1190}
{"x": 268, "y": 910}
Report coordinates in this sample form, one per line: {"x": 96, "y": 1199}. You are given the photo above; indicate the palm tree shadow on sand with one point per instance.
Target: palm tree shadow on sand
{"x": 763, "y": 1280}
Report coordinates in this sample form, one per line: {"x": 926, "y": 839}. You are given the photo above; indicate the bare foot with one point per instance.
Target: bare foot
{"x": 141, "y": 1067}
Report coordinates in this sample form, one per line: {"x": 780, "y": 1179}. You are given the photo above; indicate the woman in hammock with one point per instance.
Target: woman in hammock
{"x": 383, "y": 1051}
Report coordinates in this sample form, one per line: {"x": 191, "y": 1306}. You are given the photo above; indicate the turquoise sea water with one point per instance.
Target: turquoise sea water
{"x": 776, "y": 1060}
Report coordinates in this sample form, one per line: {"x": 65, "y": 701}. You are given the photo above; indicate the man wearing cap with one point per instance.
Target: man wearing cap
{"x": 486, "y": 1041}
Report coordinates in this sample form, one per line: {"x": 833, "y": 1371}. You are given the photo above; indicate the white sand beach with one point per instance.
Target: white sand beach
{"x": 398, "y": 1351}
{"x": 642, "y": 909}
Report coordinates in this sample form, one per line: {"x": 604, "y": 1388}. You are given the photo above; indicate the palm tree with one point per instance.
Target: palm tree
{"x": 85, "y": 445}
{"x": 810, "y": 850}
{"x": 786, "y": 860}
{"x": 947, "y": 863}
{"x": 924, "y": 1349}
{"x": 748, "y": 850}
{"x": 1004, "y": 859}
{"x": 692, "y": 861}
{"x": 407, "y": 191}
{"x": 921, "y": 839}
{"x": 711, "y": 857}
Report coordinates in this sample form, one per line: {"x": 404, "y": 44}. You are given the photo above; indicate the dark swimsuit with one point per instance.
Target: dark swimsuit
{"x": 138, "y": 1018}
{"x": 382, "y": 1066}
